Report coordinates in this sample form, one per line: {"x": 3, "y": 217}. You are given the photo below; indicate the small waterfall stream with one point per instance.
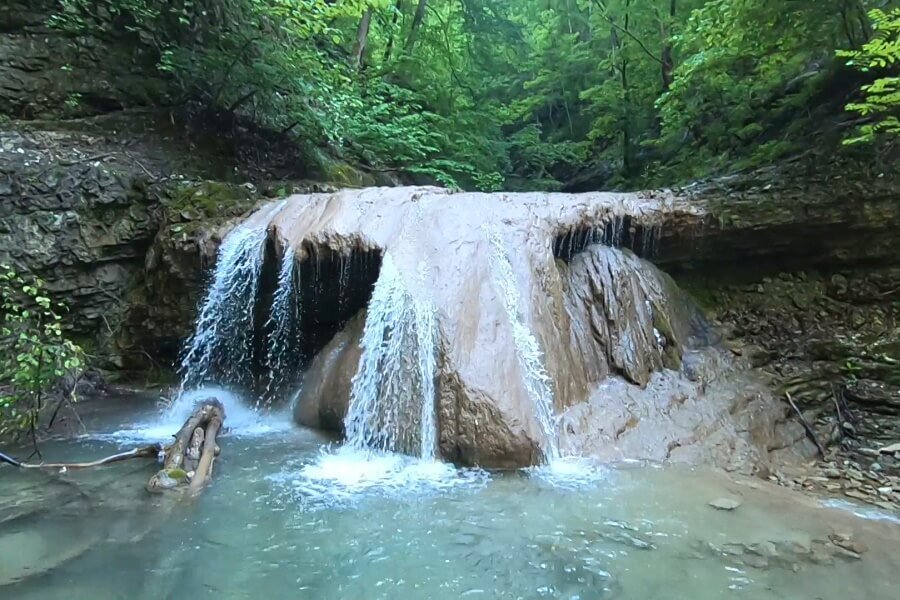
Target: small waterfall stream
{"x": 395, "y": 379}
{"x": 426, "y": 338}
{"x": 282, "y": 321}
{"x": 221, "y": 346}
{"x": 220, "y": 351}
{"x": 535, "y": 378}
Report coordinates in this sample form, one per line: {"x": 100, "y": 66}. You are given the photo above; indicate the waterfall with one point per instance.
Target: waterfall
{"x": 221, "y": 349}
{"x": 528, "y": 352}
{"x": 392, "y": 401}
{"x": 281, "y": 324}
{"x": 426, "y": 338}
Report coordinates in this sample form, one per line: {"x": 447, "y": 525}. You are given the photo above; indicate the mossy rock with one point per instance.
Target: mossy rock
{"x": 342, "y": 174}
{"x": 208, "y": 200}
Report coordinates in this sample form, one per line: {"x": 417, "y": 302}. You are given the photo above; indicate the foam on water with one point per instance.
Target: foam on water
{"x": 340, "y": 476}
{"x": 572, "y": 472}
{"x": 863, "y": 512}
{"x": 240, "y": 420}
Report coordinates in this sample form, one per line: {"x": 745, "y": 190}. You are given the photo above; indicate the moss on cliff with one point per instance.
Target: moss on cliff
{"x": 208, "y": 200}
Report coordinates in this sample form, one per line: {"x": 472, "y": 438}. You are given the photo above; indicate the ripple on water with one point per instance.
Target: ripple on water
{"x": 341, "y": 476}
{"x": 863, "y": 512}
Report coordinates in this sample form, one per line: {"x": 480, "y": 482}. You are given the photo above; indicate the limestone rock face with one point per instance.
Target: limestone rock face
{"x": 628, "y": 317}
{"x": 84, "y": 228}
{"x": 531, "y": 307}
{"x": 125, "y": 254}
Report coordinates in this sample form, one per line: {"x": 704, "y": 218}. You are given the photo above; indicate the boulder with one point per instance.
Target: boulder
{"x": 325, "y": 389}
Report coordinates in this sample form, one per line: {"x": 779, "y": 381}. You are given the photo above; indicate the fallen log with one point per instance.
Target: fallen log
{"x": 189, "y": 459}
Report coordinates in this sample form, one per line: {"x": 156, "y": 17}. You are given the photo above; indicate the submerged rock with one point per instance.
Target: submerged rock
{"x": 725, "y": 503}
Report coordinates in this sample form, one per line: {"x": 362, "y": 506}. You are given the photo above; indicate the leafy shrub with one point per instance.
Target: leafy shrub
{"x": 35, "y": 353}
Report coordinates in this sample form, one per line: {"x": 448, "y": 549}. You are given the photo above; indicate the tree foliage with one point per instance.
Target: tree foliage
{"x": 881, "y": 105}
{"x": 35, "y": 353}
{"x": 484, "y": 93}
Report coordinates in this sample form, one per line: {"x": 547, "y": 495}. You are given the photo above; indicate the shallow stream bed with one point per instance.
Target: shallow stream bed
{"x": 291, "y": 515}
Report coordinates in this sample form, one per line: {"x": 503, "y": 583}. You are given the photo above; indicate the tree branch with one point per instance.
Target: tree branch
{"x": 145, "y": 452}
{"x": 627, "y": 32}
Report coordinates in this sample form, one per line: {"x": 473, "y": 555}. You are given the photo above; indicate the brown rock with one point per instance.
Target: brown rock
{"x": 325, "y": 392}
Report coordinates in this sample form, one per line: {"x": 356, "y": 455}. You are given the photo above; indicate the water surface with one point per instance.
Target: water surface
{"x": 291, "y": 515}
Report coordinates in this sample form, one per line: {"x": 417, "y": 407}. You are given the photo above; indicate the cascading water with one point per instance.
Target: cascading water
{"x": 426, "y": 338}
{"x": 528, "y": 352}
{"x": 392, "y": 395}
{"x": 221, "y": 346}
{"x": 281, "y": 325}
{"x": 221, "y": 349}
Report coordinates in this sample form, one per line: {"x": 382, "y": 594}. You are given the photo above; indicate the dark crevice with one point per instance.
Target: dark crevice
{"x": 616, "y": 231}
{"x": 329, "y": 288}
{"x": 334, "y": 287}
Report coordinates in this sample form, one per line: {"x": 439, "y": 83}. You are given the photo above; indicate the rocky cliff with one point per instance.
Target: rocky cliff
{"x": 115, "y": 235}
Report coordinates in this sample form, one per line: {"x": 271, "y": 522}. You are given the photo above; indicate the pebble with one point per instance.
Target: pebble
{"x": 725, "y": 503}
{"x": 843, "y": 552}
{"x": 733, "y": 549}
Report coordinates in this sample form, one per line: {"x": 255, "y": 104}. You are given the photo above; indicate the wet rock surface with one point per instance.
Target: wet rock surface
{"x": 325, "y": 389}
{"x": 599, "y": 333}
{"x": 830, "y": 341}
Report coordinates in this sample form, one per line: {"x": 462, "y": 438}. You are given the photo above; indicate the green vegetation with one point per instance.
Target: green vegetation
{"x": 497, "y": 93}
{"x": 35, "y": 355}
{"x": 882, "y": 96}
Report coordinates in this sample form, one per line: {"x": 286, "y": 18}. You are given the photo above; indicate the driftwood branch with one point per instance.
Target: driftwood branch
{"x": 809, "y": 430}
{"x": 188, "y": 462}
{"x": 144, "y": 452}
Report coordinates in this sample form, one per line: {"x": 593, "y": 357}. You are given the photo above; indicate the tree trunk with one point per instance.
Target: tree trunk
{"x": 362, "y": 38}
{"x": 398, "y": 10}
{"x": 668, "y": 60}
{"x": 623, "y": 69}
{"x": 418, "y": 18}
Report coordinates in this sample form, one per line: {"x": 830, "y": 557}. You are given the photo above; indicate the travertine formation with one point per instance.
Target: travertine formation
{"x": 534, "y": 305}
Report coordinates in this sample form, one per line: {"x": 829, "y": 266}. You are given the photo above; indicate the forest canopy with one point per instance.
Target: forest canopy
{"x": 489, "y": 94}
